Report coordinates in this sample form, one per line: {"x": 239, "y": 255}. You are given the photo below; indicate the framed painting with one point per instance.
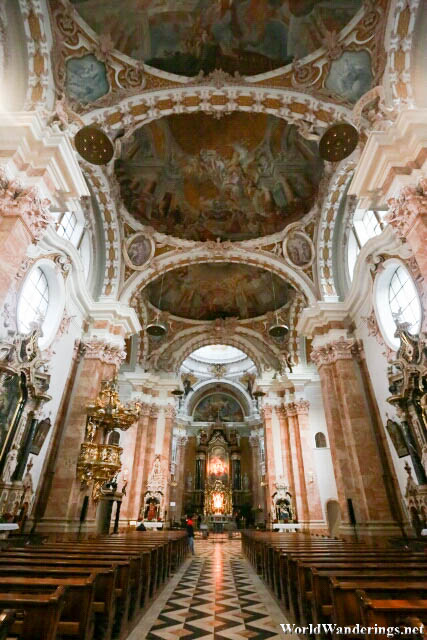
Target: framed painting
{"x": 13, "y": 394}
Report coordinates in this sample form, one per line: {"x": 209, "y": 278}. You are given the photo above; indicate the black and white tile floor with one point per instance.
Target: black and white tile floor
{"x": 215, "y": 596}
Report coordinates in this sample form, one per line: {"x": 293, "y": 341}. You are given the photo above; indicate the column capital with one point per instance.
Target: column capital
{"x": 410, "y": 204}
{"x": 254, "y": 441}
{"x": 145, "y": 410}
{"x": 170, "y": 411}
{"x": 24, "y": 203}
{"x": 267, "y": 411}
{"x": 341, "y": 349}
{"x": 99, "y": 350}
{"x": 154, "y": 411}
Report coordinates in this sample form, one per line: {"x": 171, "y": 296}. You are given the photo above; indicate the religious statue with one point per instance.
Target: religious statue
{"x": 11, "y": 461}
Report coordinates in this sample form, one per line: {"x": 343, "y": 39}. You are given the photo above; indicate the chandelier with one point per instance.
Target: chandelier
{"x": 99, "y": 462}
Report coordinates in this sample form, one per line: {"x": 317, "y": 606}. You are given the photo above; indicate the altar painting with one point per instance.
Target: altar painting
{"x": 12, "y": 401}
{"x": 218, "y": 465}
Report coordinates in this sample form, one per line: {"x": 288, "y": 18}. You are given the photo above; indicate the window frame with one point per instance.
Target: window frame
{"x": 383, "y": 312}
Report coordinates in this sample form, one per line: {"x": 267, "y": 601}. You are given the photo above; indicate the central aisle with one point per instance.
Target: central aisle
{"x": 215, "y": 595}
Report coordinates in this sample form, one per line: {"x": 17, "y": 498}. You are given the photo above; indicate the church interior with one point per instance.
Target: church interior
{"x": 213, "y": 319}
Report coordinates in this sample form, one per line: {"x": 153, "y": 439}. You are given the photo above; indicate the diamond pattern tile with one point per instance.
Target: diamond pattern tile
{"x": 217, "y": 598}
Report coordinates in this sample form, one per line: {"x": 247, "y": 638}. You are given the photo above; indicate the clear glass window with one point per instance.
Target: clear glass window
{"x": 67, "y": 226}
{"x": 404, "y": 300}
{"x": 33, "y": 301}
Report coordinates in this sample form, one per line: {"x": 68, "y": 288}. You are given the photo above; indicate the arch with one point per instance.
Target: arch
{"x": 333, "y": 517}
{"x": 320, "y": 440}
{"x": 217, "y": 252}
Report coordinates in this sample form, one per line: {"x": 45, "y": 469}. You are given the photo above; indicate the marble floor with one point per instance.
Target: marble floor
{"x": 215, "y": 595}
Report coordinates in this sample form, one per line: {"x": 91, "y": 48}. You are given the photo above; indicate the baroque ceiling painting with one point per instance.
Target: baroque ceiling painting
{"x": 189, "y": 36}
{"x": 219, "y": 290}
{"x": 246, "y": 176}
{"x": 218, "y": 405}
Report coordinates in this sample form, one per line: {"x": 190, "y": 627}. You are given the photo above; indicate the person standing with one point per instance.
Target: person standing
{"x": 190, "y": 534}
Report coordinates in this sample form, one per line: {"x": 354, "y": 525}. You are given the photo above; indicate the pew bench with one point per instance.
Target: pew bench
{"x": 37, "y": 614}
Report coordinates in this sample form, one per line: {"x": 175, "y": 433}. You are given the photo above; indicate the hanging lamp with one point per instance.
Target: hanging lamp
{"x": 94, "y": 145}
{"x": 278, "y": 330}
{"x": 157, "y": 329}
{"x": 338, "y": 142}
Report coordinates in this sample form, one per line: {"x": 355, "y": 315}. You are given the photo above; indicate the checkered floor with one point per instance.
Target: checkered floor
{"x": 216, "y": 596}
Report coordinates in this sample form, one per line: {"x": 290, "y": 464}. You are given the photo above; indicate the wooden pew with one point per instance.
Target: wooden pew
{"x": 104, "y": 603}
{"x": 7, "y": 618}
{"x": 390, "y": 613}
{"x": 58, "y": 558}
{"x": 37, "y": 613}
{"x": 346, "y": 602}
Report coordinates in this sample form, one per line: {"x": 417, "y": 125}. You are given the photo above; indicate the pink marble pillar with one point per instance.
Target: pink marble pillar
{"x": 307, "y": 469}
{"x": 270, "y": 471}
{"x": 288, "y": 463}
{"x": 166, "y": 453}
{"x": 100, "y": 362}
{"x": 23, "y": 220}
{"x": 149, "y": 452}
{"x": 299, "y": 495}
{"x": 179, "y": 476}
{"x": 356, "y": 456}
{"x": 258, "y": 495}
{"x": 135, "y": 484}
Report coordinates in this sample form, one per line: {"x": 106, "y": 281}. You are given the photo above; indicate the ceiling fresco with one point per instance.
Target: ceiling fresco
{"x": 218, "y": 290}
{"x": 218, "y": 405}
{"x": 194, "y": 177}
{"x": 189, "y": 36}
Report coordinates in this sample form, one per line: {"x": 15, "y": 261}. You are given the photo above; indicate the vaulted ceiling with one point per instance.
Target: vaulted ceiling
{"x": 215, "y": 110}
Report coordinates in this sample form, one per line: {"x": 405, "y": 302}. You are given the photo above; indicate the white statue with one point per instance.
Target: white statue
{"x": 189, "y": 482}
{"x": 245, "y": 482}
{"x": 10, "y": 465}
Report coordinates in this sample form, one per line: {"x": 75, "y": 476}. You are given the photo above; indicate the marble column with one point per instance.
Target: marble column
{"x": 179, "y": 476}
{"x": 310, "y": 498}
{"x": 24, "y": 217}
{"x": 358, "y": 464}
{"x": 135, "y": 484}
{"x": 100, "y": 362}
{"x": 257, "y": 492}
{"x": 288, "y": 462}
{"x": 270, "y": 470}
{"x": 166, "y": 452}
{"x": 408, "y": 217}
{"x": 299, "y": 494}
{"x": 150, "y": 443}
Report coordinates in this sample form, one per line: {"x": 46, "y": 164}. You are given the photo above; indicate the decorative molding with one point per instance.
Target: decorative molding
{"x": 407, "y": 207}
{"x": 100, "y": 350}
{"x": 25, "y": 203}
{"x": 341, "y": 349}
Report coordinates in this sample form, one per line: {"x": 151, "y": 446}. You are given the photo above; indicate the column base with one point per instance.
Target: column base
{"x": 373, "y": 532}
{"x": 59, "y": 529}
{"x": 314, "y": 526}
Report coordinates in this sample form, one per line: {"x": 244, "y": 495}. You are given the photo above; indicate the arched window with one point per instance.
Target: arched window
{"x": 404, "y": 300}
{"x": 365, "y": 225}
{"x": 320, "y": 440}
{"x": 33, "y": 301}
{"x": 396, "y": 299}
{"x": 67, "y": 227}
